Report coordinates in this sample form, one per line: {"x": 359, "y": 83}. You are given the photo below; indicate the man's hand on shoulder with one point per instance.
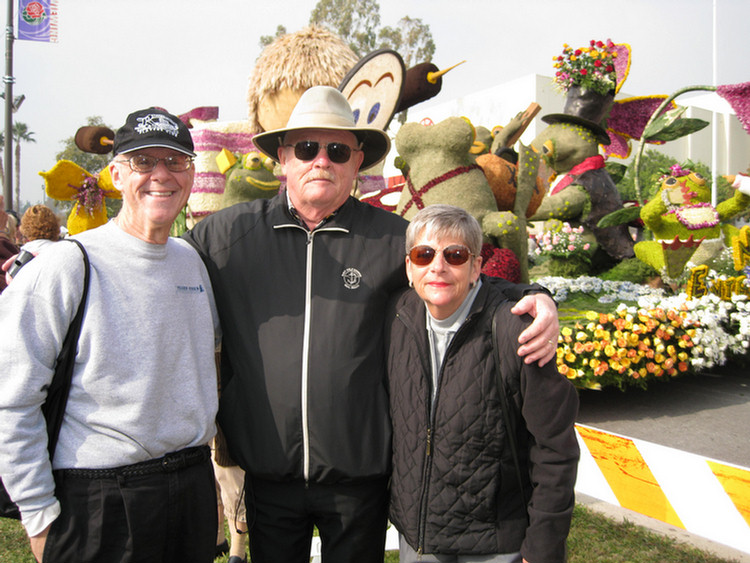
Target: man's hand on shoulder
{"x": 539, "y": 340}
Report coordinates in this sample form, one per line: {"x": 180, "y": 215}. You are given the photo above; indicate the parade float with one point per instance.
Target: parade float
{"x": 681, "y": 305}
{"x": 649, "y": 290}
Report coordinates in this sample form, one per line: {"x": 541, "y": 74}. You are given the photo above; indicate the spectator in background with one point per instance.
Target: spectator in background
{"x": 40, "y": 226}
{"x": 18, "y": 239}
{"x": 8, "y": 247}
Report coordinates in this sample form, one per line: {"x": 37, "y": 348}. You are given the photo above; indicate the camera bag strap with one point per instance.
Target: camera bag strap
{"x": 510, "y": 426}
{"x": 58, "y": 390}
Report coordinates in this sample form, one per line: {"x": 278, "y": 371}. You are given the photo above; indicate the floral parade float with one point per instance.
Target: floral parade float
{"x": 636, "y": 334}
{"x": 626, "y": 333}
{"x": 583, "y": 192}
{"x": 689, "y": 230}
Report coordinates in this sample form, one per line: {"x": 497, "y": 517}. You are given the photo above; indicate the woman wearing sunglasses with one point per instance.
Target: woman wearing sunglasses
{"x": 472, "y": 481}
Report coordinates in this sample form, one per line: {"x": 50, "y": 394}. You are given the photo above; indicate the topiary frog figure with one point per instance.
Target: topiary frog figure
{"x": 248, "y": 178}
{"x": 680, "y": 211}
{"x": 586, "y": 192}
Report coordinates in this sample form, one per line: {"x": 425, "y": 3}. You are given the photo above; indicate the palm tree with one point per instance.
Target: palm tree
{"x": 20, "y": 133}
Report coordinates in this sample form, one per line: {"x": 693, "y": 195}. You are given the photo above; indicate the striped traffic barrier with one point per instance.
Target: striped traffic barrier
{"x": 703, "y": 496}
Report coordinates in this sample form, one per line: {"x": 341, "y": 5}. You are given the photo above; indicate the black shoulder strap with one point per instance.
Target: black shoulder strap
{"x": 57, "y": 393}
{"x": 507, "y": 418}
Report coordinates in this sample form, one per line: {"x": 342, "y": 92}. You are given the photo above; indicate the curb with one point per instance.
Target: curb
{"x": 620, "y": 514}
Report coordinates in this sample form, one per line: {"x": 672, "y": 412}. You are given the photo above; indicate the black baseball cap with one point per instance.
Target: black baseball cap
{"x": 153, "y": 127}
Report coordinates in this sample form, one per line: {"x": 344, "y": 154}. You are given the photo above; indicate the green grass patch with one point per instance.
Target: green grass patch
{"x": 593, "y": 538}
{"x": 14, "y": 545}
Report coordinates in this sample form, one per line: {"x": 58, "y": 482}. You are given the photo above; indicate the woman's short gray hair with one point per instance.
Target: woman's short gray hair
{"x": 445, "y": 221}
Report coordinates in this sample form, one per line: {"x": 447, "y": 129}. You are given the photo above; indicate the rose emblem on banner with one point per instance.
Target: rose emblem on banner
{"x": 34, "y": 13}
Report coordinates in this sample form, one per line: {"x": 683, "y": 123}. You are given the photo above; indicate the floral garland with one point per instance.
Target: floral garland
{"x": 697, "y": 216}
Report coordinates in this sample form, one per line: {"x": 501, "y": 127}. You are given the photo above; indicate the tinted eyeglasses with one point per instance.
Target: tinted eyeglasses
{"x": 308, "y": 150}
{"x": 146, "y": 163}
{"x": 455, "y": 254}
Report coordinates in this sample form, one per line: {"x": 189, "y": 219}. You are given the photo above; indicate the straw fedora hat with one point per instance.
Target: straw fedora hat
{"x": 324, "y": 107}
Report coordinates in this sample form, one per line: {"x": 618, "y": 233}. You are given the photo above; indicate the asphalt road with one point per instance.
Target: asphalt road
{"x": 706, "y": 414}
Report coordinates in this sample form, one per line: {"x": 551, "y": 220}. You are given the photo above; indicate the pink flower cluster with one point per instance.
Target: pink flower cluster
{"x": 738, "y": 96}
{"x": 90, "y": 196}
{"x": 561, "y": 243}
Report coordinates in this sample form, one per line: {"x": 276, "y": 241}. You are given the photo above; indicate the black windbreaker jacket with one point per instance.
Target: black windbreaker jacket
{"x": 303, "y": 374}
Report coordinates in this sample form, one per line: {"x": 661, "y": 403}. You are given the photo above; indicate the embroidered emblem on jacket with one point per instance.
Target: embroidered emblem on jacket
{"x": 352, "y": 278}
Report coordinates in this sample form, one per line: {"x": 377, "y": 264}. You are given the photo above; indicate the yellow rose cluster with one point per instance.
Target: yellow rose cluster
{"x": 625, "y": 348}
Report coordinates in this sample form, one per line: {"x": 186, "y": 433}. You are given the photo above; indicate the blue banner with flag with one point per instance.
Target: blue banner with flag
{"x": 37, "y": 20}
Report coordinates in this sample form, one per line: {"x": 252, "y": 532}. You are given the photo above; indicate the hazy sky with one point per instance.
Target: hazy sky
{"x": 115, "y": 56}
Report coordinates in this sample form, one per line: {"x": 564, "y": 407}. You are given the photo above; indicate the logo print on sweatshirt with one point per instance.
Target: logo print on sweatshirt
{"x": 352, "y": 278}
{"x": 190, "y": 289}
{"x": 156, "y": 122}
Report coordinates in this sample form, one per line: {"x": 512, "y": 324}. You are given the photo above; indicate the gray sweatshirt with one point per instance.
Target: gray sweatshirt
{"x": 144, "y": 383}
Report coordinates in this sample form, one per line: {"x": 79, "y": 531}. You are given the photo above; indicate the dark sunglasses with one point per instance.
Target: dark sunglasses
{"x": 308, "y": 150}
{"x": 455, "y": 255}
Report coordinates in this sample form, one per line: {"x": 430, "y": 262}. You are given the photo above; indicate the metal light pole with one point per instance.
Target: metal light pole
{"x": 8, "y": 80}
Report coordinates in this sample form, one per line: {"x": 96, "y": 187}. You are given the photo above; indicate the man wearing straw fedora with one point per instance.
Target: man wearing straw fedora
{"x": 301, "y": 283}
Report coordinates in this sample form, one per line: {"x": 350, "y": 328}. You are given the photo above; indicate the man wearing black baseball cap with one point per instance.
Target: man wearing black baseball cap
{"x": 131, "y": 478}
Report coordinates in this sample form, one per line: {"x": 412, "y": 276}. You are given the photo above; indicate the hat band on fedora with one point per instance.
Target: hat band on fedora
{"x": 324, "y": 107}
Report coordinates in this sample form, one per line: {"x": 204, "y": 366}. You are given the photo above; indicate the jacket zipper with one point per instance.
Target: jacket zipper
{"x": 431, "y": 417}
{"x": 310, "y": 235}
{"x": 306, "y": 360}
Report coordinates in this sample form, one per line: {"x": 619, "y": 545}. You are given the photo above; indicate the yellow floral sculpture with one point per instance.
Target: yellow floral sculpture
{"x": 67, "y": 181}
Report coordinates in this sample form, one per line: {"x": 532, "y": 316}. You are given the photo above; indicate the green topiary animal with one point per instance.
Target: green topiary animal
{"x": 439, "y": 168}
{"x": 688, "y": 229}
{"x": 248, "y": 178}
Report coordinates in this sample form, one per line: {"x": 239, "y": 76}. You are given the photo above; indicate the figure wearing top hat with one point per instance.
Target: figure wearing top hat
{"x": 582, "y": 191}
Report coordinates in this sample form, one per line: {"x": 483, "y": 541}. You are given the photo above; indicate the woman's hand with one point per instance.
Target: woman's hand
{"x": 539, "y": 340}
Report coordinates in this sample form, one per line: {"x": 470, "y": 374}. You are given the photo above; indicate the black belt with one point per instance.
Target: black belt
{"x": 167, "y": 464}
